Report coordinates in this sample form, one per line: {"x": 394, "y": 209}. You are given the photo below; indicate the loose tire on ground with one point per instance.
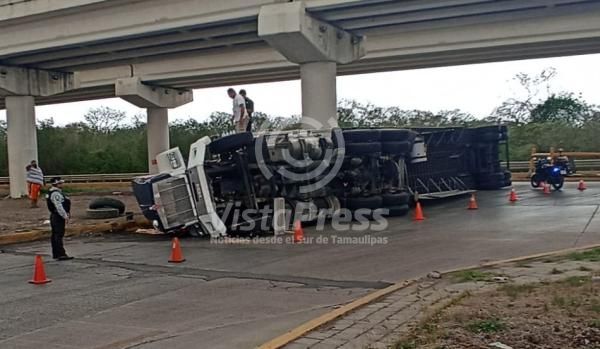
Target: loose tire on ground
{"x": 102, "y": 213}
{"x": 231, "y": 143}
{"x": 105, "y": 202}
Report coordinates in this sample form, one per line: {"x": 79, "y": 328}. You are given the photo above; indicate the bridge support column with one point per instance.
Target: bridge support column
{"x": 318, "y": 47}
{"x": 157, "y": 100}
{"x": 158, "y": 135}
{"x": 22, "y": 141}
{"x": 319, "y": 98}
{"x": 20, "y": 86}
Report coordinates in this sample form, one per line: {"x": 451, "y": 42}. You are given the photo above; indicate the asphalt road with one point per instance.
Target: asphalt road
{"x": 120, "y": 292}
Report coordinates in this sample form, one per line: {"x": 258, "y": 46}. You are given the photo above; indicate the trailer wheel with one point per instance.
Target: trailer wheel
{"x": 493, "y": 185}
{"x": 403, "y": 147}
{"x": 492, "y": 177}
{"x": 102, "y": 213}
{"x": 371, "y": 202}
{"x": 395, "y": 199}
{"x": 363, "y": 148}
{"x": 105, "y": 202}
{"x": 230, "y": 143}
{"x": 361, "y": 136}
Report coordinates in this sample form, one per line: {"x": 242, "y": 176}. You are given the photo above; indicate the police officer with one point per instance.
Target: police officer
{"x": 60, "y": 209}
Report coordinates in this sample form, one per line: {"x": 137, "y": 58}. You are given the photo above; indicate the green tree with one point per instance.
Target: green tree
{"x": 564, "y": 107}
{"x": 104, "y": 119}
{"x": 519, "y": 110}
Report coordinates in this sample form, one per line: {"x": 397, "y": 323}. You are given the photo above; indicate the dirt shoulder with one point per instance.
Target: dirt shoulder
{"x": 16, "y": 216}
{"x": 555, "y": 304}
{"x": 543, "y": 303}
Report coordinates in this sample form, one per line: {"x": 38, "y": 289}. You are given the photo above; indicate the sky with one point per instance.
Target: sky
{"x": 475, "y": 88}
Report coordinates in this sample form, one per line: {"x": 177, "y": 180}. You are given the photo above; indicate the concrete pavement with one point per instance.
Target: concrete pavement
{"x": 120, "y": 292}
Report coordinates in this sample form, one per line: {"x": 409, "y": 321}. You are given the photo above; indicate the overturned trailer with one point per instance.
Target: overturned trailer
{"x": 245, "y": 183}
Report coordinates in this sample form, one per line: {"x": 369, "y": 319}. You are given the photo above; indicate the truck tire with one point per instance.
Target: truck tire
{"x": 361, "y": 136}
{"x": 105, "y": 202}
{"x": 363, "y": 148}
{"x": 492, "y": 177}
{"x": 403, "y": 147}
{"x": 493, "y": 184}
{"x": 230, "y": 143}
{"x": 397, "y": 211}
{"x": 398, "y": 135}
{"x": 395, "y": 199}
{"x": 102, "y": 213}
{"x": 370, "y": 202}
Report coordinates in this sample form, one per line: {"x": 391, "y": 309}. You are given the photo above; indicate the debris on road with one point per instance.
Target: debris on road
{"x": 500, "y": 279}
{"x": 434, "y": 275}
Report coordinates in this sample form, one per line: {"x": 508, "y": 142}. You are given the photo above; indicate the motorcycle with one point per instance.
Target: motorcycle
{"x": 547, "y": 172}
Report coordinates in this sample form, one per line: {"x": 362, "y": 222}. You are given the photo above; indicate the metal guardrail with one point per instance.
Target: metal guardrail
{"x": 588, "y": 164}
{"x": 89, "y": 178}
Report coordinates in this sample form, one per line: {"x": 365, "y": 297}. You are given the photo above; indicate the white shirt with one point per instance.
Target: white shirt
{"x": 238, "y": 103}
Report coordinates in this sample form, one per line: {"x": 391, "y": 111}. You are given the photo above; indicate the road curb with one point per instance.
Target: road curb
{"x": 74, "y": 231}
{"x": 297, "y": 332}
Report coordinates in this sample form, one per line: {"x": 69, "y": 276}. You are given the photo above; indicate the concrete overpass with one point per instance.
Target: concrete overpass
{"x": 153, "y": 54}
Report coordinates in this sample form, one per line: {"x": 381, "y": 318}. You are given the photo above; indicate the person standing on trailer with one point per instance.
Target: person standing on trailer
{"x": 35, "y": 181}
{"x": 59, "y": 206}
{"x": 249, "y": 109}
{"x": 240, "y": 116}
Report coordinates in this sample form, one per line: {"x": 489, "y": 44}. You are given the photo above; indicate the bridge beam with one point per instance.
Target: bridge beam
{"x": 18, "y": 81}
{"x": 318, "y": 47}
{"x": 157, "y": 101}
{"x": 146, "y": 96}
{"x": 19, "y": 86}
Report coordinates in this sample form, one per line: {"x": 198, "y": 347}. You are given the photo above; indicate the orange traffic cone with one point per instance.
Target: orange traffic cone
{"x": 472, "y": 203}
{"x": 546, "y": 188}
{"x": 39, "y": 275}
{"x": 581, "y": 186}
{"x": 176, "y": 255}
{"x": 513, "y": 196}
{"x": 419, "y": 212}
{"x": 298, "y": 232}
